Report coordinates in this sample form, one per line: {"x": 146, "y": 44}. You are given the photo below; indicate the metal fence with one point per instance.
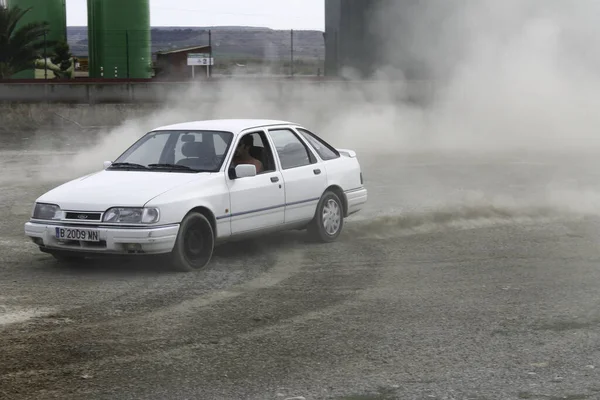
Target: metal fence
{"x": 235, "y": 51}
{"x": 260, "y": 51}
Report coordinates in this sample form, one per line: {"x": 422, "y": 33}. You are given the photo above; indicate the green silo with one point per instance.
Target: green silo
{"x": 52, "y": 11}
{"x": 119, "y": 39}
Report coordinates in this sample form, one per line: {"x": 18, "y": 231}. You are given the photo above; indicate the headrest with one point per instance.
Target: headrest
{"x": 194, "y": 149}
{"x": 293, "y": 147}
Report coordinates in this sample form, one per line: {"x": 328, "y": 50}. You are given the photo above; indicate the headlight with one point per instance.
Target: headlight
{"x": 46, "y": 211}
{"x": 124, "y": 215}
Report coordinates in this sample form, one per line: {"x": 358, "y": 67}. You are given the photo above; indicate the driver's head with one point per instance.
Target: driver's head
{"x": 244, "y": 146}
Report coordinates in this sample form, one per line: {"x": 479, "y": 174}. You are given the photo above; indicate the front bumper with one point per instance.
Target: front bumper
{"x": 112, "y": 240}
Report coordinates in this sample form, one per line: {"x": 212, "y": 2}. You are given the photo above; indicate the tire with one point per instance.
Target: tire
{"x": 328, "y": 222}
{"x": 195, "y": 243}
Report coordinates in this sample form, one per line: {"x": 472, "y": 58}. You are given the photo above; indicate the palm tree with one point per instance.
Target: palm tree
{"x": 19, "y": 48}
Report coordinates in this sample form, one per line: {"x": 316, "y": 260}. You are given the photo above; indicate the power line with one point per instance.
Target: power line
{"x": 211, "y": 13}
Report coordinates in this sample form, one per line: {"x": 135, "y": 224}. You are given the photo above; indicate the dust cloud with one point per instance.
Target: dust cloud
{"x": 476, "y": 210}
{"x": 503, "y": 77}
{"x": 511, "y": 75}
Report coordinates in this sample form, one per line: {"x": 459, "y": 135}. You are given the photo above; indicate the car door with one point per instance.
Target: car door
{"x": 304, "y": 177}
{"x": 257, "y": 202}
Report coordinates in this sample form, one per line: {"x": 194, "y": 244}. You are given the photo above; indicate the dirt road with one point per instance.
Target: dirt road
{"x": 466, "y": 278}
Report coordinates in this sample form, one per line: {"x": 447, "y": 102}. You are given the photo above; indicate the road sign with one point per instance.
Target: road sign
{"x": 202, "y": 59}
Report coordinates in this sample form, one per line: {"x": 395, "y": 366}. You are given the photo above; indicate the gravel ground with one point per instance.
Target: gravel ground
{"x": 465, "y": 278}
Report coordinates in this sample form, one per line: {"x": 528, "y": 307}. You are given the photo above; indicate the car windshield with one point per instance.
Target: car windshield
{"x": 176, "y": 151}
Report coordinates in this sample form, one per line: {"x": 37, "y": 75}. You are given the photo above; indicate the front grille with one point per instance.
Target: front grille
{"x": 83, "y": 216}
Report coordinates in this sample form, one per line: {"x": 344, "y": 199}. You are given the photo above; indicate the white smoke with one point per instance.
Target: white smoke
{"x": 513, "y": 77}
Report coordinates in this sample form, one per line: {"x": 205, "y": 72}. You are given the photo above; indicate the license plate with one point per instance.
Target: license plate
{"x": 86, "y": 235}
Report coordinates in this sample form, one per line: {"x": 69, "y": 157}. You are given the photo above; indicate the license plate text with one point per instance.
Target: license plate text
{"x": 77, "y": 234}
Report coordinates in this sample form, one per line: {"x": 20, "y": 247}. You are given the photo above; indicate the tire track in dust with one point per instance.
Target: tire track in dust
{"x": 31, "y": 357}
{"x": 379, "y": 228}
{"x": 336, "y": 289}
{"x": 103, "y": 313}
{"x": 387, "y": 228}
{"x": 284, "y": 269}
{"x": 13, "y": 315}
{"x": 186, "y": 318}
{"x": 197, "y": 324}
{"x": 460, "y": 217}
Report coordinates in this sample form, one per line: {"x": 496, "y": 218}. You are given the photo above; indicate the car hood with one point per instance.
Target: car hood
{"x": 105, "y": 189}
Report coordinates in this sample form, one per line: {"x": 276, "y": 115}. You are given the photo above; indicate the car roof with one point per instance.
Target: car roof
{"x": 230, "y": 125}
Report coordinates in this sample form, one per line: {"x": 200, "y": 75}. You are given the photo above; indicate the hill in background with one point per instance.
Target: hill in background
{"x": 235, "y": 42}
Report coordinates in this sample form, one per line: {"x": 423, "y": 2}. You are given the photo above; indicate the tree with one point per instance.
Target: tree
{"x": 62, "y": 55}
{"x": 60, "y": 61}
{"x": 20, "y": 48}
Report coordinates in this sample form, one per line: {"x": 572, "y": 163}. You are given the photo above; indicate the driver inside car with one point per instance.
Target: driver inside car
{"x": 242, "y": 154}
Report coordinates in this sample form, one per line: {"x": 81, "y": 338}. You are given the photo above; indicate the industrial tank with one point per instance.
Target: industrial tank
{"x": 119, "y": 39}
{"x": 52, "y": 11}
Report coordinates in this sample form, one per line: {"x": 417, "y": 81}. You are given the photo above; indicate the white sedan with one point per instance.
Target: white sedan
{"x": 182, "y": 189}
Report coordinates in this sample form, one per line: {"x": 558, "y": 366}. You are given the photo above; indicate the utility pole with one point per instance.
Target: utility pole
{"x": 127, "y": 50}
{"x": 45, "y": 57}
{"x": 210, "y": 52}
{"x": 292, "y": 52}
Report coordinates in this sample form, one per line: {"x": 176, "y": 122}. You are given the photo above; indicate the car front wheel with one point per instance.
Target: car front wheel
{"x": 328, "y": 222}
{"x": 194, "y": 245}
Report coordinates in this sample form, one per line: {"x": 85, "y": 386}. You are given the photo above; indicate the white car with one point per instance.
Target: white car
{"x": 177, "y": 192}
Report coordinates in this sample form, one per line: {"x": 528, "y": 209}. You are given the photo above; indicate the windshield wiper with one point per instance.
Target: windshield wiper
{"x": 175, "y": 167}
{"x": 128, "y": 165}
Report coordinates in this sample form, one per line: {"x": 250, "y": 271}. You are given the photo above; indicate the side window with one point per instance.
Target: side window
{"x": 292, "y": 152}
{"x": 323, "y": 149}
{"x": 260, "y": 150}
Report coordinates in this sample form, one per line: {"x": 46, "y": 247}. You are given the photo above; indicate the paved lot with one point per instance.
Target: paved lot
{"x": 466, "y": 278}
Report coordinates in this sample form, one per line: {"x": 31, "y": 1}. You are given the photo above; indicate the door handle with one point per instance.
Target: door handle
{"x": 317, "y": 171}
{"x": 274, "y": 179}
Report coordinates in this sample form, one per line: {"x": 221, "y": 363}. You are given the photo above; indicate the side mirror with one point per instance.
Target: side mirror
{"x": 107, "y": 164}
{"x": 245, "y": 171}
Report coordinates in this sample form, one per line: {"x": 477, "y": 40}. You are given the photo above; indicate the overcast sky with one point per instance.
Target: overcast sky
{"x": 276, "y": 14}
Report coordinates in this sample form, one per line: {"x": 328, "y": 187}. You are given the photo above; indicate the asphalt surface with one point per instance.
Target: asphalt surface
{"x": 465, "y": 278}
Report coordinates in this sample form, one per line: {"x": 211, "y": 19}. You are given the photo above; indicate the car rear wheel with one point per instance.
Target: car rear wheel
{"x": 194, "y": 245}
{"x": 328, "y": 222}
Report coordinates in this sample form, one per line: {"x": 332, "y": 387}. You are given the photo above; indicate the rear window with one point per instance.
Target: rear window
{"x": 325, "y": 150}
